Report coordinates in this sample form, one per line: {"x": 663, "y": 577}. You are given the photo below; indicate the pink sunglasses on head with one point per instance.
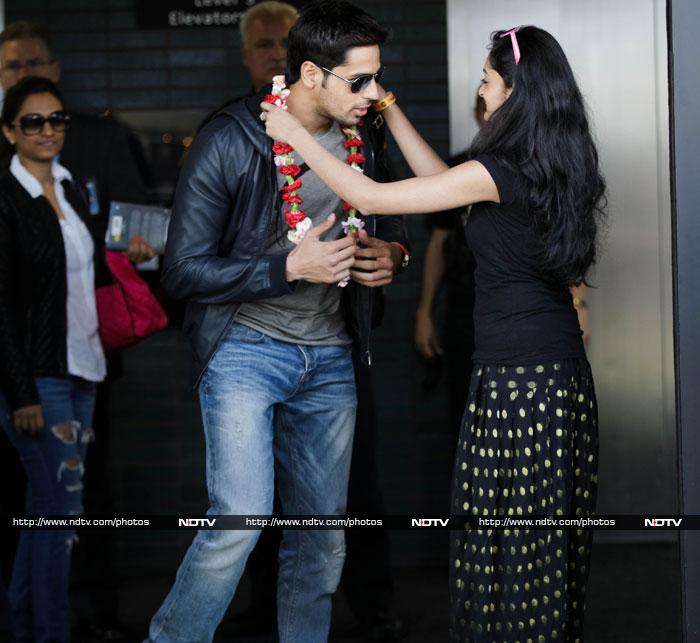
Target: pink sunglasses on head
{"x": 513, "y": 41}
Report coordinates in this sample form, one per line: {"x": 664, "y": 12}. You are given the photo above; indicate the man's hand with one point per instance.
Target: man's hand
{"x": 582, "y": 312}
{"x": 377, "y": 263}
{"x": 579, "y": 299}
{"x": 424, "y": 335}
{"x": 321, "y": 262}
{"x": 139, "y": 250}
{"x": 29, "y": 419}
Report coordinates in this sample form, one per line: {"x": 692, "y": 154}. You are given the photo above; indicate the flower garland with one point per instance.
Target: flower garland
{"x": 295, "y": 217}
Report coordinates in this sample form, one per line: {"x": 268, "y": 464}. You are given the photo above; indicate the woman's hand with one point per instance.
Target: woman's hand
{"x": 280, "y": 125}
{"x": 381, "y": 92}
{"x": 139, "y": 250}
{"x": 29, "y": 419}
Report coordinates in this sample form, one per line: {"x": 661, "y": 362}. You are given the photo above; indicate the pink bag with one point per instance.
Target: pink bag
{"x": 127, "y": 311}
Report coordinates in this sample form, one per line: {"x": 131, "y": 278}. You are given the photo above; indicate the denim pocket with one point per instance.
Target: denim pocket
{"x": 241, "y": 333}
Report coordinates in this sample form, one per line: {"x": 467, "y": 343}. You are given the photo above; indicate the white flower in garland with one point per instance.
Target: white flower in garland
{"x": 297, "y": 233}
{"x": 352, "y": 222}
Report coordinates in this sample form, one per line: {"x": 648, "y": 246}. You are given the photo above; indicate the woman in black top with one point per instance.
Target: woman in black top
{"x": 528, "y": 443}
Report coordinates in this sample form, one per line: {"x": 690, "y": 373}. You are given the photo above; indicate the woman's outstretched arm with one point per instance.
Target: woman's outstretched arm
{"x": 455, "y": 187}
{"x": 421, "y": 158}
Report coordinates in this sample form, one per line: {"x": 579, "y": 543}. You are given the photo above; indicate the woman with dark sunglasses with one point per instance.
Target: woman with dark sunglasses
{"x": 50, "y": 351}
{"x": 528, "y": 445}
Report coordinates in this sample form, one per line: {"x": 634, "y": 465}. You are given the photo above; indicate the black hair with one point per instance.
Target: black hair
{"x": 542, "y": 131}
{"x": 14, "y": 99}
{"x": 324, "y": 32}
{"x": 26, "y": 29}
{"x": 17, "y": 94}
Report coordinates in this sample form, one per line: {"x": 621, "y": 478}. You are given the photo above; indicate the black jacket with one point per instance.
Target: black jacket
{"x": 224, "y": 203}
{"x": 101, "y": 150}
{"x": 33, "y": 326}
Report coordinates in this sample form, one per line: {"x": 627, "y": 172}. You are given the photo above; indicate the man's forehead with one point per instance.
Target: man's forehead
{"x": 23, "y": 48}
{"x": 261, "y": 28}
{"x": 366, "y": 60}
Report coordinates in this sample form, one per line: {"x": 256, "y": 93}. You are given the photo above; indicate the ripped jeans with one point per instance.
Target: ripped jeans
{"x": 53, "y": 462}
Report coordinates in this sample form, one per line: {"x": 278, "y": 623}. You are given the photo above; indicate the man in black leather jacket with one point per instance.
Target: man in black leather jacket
{"x": 271, "y": 331}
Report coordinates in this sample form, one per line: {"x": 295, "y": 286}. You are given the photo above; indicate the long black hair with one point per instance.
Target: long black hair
{"x": 542, "y": 131}
{"x": 14, "y": 99}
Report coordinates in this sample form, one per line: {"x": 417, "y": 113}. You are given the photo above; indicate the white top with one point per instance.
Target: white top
{"x": 86, "y": 358}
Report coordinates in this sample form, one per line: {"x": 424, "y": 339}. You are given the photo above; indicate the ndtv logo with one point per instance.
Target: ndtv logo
{"x": 429, "y": 522}
{"x": 662, "y": 522}
{"x": 196, "y": 522}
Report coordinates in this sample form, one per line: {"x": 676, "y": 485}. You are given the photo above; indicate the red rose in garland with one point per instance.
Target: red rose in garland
{"x": 295, "y": 217}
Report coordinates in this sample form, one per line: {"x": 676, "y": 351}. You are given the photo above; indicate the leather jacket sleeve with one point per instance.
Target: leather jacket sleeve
{"x": 16, "y": 377}
{"x": 388, "y": 228}
{"x": 207, "y": 210}
{"x": 393, "y": 228}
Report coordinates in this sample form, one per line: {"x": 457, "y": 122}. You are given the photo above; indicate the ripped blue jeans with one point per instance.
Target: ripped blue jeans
{"x": 53, "y": 462}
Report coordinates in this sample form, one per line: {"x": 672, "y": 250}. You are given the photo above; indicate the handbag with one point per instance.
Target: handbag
{"x": 127, "y": 311}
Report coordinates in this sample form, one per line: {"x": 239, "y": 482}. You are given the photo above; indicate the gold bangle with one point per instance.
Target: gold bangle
{"x": 387, "y": 101}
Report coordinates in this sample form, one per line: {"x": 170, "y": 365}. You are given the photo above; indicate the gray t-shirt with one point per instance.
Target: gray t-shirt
{"x": 311, "y": 314}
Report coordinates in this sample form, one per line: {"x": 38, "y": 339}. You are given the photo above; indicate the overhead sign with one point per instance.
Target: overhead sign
{"x": 163, "y": 14}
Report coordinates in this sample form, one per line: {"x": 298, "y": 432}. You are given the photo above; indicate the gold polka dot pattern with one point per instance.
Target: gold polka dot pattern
{"x": 528, "y": 446}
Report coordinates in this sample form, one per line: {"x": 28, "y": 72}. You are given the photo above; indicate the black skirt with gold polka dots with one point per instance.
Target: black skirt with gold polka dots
{"x": 528, "y": 446}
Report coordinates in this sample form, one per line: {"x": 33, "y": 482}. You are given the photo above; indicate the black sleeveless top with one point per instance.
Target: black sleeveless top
{"x": 521, "y": 316}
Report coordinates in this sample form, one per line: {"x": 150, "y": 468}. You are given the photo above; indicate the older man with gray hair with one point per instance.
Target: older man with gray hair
{"x": 264, "y": 28}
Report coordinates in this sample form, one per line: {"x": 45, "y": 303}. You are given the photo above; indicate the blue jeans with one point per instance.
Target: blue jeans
{"x": 268, "y": 406}
{"x": 53, "y": 461}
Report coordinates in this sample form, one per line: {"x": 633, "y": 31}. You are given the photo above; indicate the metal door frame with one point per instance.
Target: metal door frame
{"x": 683, "y": 20}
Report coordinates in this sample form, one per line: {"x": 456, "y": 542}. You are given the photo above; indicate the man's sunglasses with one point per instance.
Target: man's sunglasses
{"x": 32, "y": 124}
{"x": 359, "y": 83}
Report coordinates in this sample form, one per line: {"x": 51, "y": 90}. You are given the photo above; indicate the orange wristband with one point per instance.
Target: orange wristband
{"x": 387, "y": 101}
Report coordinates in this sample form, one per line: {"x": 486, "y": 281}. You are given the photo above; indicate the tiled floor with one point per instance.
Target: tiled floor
{"x": 634, "y": 597}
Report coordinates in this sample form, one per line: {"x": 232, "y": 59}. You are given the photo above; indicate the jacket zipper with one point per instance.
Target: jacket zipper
{"x": 368, "y": 353}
